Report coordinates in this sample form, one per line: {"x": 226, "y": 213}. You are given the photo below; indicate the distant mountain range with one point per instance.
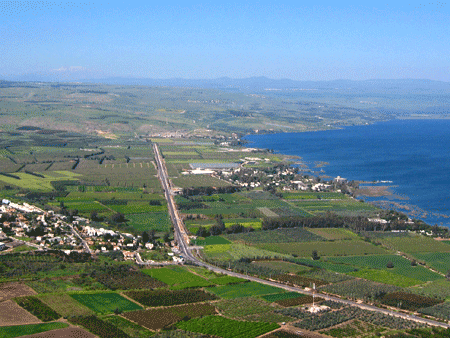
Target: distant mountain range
{"x": 263, "y": 83}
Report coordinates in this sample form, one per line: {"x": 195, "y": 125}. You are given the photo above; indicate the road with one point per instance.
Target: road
{"x": 181, "y": 238}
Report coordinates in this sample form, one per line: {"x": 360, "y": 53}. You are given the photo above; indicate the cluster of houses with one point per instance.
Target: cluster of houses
{"x": 56, "y": 232}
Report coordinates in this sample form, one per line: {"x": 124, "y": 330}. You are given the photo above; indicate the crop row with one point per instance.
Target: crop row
{"x": 38, "y": 308}
{"x": 169, "y": 297}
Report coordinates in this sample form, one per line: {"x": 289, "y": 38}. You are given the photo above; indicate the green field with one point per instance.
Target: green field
{"x": 227, "y": 328}
{"x": 105, "y": 303}
{"x": 22, "y": 330}
{"x": 415, "y": 244}
{"x": 177, "y": 276}
{"x": 387, "y": 277}
{"x": 31, "y": 182}
{"x": 159, "y": 221}
{"x": 333, "y": 233}
{"x": 243, "y": 290}
{"x": 337, "y": 248}
{"x": 402, "y": 266}
{"x": 437, "y": 260}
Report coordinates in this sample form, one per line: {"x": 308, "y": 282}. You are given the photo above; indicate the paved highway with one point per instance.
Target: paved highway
{"x": 182, "y": 239}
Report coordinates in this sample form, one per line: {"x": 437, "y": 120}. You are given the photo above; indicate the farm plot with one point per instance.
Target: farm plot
{"x": 159, "y": 221}
{"x": 276, "y": 236}
{"x": 334, "y": 234}
{"x": 437, "y": 260}
{"x": 302, "y": 300}
{"x": 237, "y": 251}
{"x": 408, "y": 301}
{"x": 31, "y": 182}
{"x": 132, "y": 329}
{"x": 156, "y": 319}
{"x": 281, "y": 296}
{"x": 137, "y": 207}
{"x": 125, "y": 279}
{"x": 321, "y": 206}
{"x": 360, "y": 289}
{"x": 325, "y": 265}
{"x": 227, "y": 328}
{"x": 98, "y": 327}
{"x": 243, "y": 290}
{"x": 251, "y": 309}
{"x": 13, "y": 314}
{"x": 439, "y": 288}
{"x": 176, "y": 276}
{"x": 327, "y": 276}
{"x": 337, "y": 248}
{"x": 281, "y": 265}
{"x": 194, "y": 181}
{"x": 68, "y": 332}
{"x": 169, "y": 297}
{"x": 212, "y": 240}
{"x": 329, "y": 319}
{"x": 12, "y": 290}
{"x": 22, "y": 330}
{"x": 355, "y": 328}
{"x": 297, "y": 280}
{"x": 416, "y": 244}
{"x": 65, "y": 305}
{"x": 402, "y": 266}
{"x": 104, "y": 303}
{"x": 440, "y": 311}
{"x": 38, "y": 308}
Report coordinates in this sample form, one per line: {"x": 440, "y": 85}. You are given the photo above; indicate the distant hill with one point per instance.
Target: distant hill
{"x": 400, "y": 86}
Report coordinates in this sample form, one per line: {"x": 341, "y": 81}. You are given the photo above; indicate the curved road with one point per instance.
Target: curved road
{"x": 182, "y": 238}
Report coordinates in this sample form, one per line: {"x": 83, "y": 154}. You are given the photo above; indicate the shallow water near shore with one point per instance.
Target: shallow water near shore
{"x": 411, "y": 155}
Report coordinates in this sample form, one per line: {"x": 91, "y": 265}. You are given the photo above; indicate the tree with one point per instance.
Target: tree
{"x": 118, "y": 217}
{"x": 413, "y": 262}
{"x": 202, "y": 232}
{"x": 315, "y": 256}
{"x": 390, "y": 265}
{"x": 215, "y": 230}
{"x": 145, "y": 237}
{"x": 166, "y": 237}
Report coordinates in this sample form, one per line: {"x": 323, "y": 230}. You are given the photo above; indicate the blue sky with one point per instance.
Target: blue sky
{"x": 316, "y": 40}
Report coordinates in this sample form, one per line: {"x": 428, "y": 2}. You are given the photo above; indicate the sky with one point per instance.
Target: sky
{"x": 299, "y": 40}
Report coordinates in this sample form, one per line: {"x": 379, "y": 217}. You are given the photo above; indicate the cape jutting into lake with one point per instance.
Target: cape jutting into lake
{"x": 412, "y": 154}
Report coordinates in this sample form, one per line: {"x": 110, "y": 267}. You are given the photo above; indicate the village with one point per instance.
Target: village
{"x": 27, "y": 228}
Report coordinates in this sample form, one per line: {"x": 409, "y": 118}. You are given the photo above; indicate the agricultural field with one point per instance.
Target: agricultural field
{"x": 324, "y": 248}
{"x": 12, "y": 314}
{"x": 281, "y": 265}
{"x": 439, "y": 288}
{"x": 158, "y": 221}
{"x": 177, "y": 277}
{"x": 360, "y": 289}
{"x": 98, "y": 327}
{"x": 104, "y": 303}
{"x": 355, "y": 328}
{"x": 439, "y": 261}
{"x": 194, "y": 181}
{"x": 234, "y": 251}
{"x": 12, "y": 290}
{"x": 22, "y": 330}
{"x": 132, "y": 329}
{"x": 401, "y": 266}
{"x": 65, "y": 305}
{"x": 333, "y": 234}
{"x": 39, "y": 309}
{"x": 243, "y": 290}
{"x": 227, "y": 328}
{"x": 251, "y": 309}
{"x": 156, "y": 319}
{"x": 275, "y": 236}
{"x": 415, "y": 244}
{"x": 169, "y": 297}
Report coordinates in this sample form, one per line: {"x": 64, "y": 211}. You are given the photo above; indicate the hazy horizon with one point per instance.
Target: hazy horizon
{"x": 322, "y": 42}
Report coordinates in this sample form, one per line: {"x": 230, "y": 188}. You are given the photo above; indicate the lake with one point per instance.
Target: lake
{"x": 412, "y": 154}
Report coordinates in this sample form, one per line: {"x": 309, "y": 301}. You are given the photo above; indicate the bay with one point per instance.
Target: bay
{"x": 412, "y": 154}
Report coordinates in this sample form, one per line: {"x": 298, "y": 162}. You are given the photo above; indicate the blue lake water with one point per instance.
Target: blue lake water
{"x": 413, "y": 154}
